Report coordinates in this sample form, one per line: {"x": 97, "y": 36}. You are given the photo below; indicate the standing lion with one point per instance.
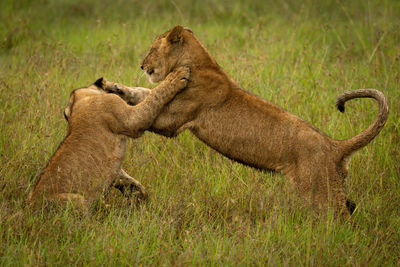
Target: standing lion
{"x": 250, "y": 130}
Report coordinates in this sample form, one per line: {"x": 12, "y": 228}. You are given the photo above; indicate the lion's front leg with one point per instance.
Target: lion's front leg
{"x": 131, "y": 95}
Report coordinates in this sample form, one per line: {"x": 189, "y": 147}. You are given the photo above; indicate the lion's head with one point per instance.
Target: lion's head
{"x": 168, "y": 52}
{"x": 208, "y": 86}
{"x": 77, "y": 94}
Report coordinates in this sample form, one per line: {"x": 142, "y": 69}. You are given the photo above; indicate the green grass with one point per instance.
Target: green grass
{"x": 203, "y": 208}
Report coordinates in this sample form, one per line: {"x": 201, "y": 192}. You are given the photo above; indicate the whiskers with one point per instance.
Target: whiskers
{"x": 144, "y": 73}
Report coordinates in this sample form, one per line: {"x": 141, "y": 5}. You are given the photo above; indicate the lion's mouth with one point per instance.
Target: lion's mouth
{"x": 147, "y": 70}
{"x": 152, "y": 73}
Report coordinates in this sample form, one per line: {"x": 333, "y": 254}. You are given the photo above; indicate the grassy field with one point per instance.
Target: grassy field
{"x": 204, "y": 209}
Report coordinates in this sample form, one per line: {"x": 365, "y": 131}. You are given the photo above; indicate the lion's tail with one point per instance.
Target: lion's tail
{"x": 351, "y": 145}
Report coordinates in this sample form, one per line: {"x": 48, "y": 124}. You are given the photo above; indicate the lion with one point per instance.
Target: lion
{"x": 88, "y": 161}
{"x": 252, "y": 131}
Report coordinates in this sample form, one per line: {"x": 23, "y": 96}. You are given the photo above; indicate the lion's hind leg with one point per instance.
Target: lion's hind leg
{"x": 76, "y": 200}
{"x": 320, "y": 185}
{"x": 129, "y": 186}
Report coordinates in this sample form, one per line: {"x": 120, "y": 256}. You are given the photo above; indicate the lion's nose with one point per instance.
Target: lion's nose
{"x": 141, "y": 67}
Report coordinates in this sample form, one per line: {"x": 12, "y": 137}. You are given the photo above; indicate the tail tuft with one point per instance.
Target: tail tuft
{"x": 340, "y": 105}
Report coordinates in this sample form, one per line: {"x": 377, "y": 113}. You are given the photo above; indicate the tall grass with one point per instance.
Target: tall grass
{"x": 203, "y": 208}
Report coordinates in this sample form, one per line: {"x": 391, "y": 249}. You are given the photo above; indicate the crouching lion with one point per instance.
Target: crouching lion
{"x": 88, "y": 161}
{"x": 251, "y": 130}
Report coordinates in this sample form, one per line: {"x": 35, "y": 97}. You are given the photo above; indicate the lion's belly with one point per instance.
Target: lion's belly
{"x": 250, "y": 130}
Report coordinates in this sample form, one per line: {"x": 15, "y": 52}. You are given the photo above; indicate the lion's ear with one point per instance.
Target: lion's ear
{"x": 189, "y": 30}
{"x": 176, "y": 35}
{"x": 101, "y": 82}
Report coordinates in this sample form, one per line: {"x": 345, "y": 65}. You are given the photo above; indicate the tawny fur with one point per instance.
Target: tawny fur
{"x": 88, "y": 161}
{"x": 251, "y": 130}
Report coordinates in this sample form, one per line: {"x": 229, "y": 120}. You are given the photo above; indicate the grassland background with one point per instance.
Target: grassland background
{"x": 203, "y": 209}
